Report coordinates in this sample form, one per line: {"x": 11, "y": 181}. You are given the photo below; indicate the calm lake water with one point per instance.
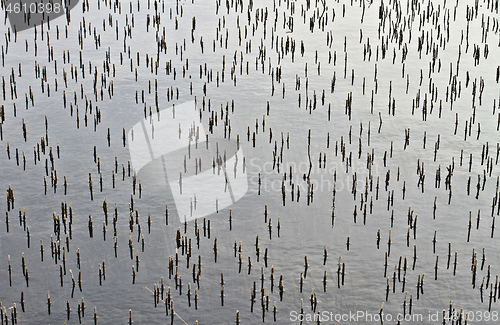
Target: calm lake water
{"x": 433, "y": 70}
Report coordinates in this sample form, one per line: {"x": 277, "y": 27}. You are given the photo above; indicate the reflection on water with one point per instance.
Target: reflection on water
{"x": 367, "y": 133}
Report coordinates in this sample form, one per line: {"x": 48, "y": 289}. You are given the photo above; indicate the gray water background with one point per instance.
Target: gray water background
{"x": 305, "y": 229}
